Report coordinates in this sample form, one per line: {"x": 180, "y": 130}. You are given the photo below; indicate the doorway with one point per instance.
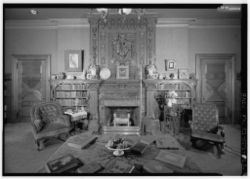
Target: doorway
{"x": 31, "y": 75}
{"x": 215, "y": 74}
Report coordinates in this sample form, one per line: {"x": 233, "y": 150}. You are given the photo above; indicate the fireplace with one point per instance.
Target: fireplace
{"x": 120, "y": 107}
{"x": 122, "y": 116}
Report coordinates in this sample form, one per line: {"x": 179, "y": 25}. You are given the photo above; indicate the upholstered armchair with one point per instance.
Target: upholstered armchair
{"x": 205, "y": 126}
{"x": 48, "y": 121}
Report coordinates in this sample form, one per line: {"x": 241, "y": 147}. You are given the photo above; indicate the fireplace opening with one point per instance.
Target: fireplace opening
{"x": 122, "y": 116}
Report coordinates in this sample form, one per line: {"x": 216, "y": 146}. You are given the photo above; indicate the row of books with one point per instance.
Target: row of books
{"x": 71, "y": 87}
{"x": 176, "y": 87}
{"x": 71, "y": 94}
{"x": 182, "y": 94}
{"x": 72, "y": 102}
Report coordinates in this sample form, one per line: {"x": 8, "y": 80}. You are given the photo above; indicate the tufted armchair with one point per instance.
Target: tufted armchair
{"x": 48, "y": 121}
{"x": 205, "y": 126}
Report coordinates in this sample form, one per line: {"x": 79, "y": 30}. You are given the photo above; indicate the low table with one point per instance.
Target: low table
{"x": 97, "y": 152}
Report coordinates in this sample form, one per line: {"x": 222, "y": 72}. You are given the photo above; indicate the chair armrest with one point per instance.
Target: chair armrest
{"x": 220, "y": 127}
{"x": 66, "y": 120}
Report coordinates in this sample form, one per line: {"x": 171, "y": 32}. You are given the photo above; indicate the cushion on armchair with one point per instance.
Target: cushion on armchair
{"x": 48, "y": 113}
{"x": 39, "y": 124}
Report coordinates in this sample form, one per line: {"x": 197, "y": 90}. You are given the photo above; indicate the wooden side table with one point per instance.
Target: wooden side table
{"x": 78, "y": 118}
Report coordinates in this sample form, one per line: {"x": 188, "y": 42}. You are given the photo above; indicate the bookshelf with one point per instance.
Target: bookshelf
{"x": 70, "y": 93}
{"x": 185, "y": 93}
{"x": 186, "y": 96}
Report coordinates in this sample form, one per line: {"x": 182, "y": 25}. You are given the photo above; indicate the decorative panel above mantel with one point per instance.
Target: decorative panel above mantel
{"x": 120, "y": 41}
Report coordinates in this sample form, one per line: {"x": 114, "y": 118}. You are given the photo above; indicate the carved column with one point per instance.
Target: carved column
{"x": 151, "y": 30}
{"x": 93, "y": 88}
{"x": 94, "y": 38}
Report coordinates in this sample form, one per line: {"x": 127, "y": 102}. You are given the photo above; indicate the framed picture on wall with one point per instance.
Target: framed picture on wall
{"x": 122, "y": 72}
{"x": 183, "y": 74}
{"x": 170, "y": 64}
{"x": 74, "y": 60}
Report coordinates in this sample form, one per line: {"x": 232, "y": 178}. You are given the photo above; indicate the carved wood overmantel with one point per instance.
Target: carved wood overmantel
{"x": 119, "y": 41}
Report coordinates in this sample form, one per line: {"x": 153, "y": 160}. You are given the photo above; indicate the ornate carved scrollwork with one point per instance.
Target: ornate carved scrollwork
{"x": 128, "y": 41}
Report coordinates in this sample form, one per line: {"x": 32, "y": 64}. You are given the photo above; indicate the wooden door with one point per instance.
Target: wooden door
{"x": 216, "y": 75}
{"x": 31, "y": 85}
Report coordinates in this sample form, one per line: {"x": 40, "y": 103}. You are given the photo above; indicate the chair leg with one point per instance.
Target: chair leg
{"x": 40, "y": 144}
{"x": 63, "y": 137}
{"x": 219, "y": 150}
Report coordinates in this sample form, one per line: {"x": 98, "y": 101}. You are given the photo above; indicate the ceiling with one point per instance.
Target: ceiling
{"x": 54, "y": 13}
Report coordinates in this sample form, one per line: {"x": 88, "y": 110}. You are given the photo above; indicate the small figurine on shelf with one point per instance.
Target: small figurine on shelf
{"x": 161, "y": 100}
{"x": 151, "y": 71}
{"x": 76, "y": 103}
{"x": 172, "y": 98}
{"x": 91, "y": 72}
{"x": 173, "y": 112}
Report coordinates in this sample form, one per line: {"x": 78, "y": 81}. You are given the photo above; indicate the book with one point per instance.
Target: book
{"x": 92, "y": 167}
{"x": 118, "y": 166}
{"x": 171, "y": 158}
{"x": 81, "y": 141}
{"x": 149, "y": 139}
{"x": 154, "y": 166}
{"x": 165, "y": 142}
{"x": 64, "y": 164}
{"x": 139, "y": 147}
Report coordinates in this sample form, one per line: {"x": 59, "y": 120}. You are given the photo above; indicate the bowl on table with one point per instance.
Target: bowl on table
{"x": 118, "y": 146}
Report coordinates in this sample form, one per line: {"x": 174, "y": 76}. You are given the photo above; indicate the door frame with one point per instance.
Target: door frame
{"x": 20, "y": 57}
{"x": 221, "y": 56}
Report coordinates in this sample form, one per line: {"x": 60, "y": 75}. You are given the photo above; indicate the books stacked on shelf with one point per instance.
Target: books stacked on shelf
{"x": 154, "y": 166}
{"x": 92, "y": 167}
{"x": 72, "y": 87}
{"x": 71, "y": 94}
{"x": 171, "y": 158}
{"x": 72, "y": 102}
{"x": 64, "y": 164}
{"x": 81, "y": 141}
{"x": 118, "y": 165}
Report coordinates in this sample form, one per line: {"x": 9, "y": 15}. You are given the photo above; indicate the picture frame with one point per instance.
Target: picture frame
{"x": 122, "y": 72}
{"x": 183, "y": 73}
{"x": 74, "y": 60}
{"x": 170, "y": 64}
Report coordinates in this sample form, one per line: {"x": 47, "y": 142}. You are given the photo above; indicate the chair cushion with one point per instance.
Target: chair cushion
{"x": 39, "y": 124}
{"x": 48, "y": 112}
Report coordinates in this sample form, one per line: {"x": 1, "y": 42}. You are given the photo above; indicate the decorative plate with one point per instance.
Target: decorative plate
{"x": 105, "y": 73}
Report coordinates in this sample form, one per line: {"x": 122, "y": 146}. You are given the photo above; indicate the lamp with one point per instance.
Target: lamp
{"x": 121, "y": 11}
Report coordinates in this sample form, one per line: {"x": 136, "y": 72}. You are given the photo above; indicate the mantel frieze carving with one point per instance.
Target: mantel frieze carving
{"x": 86, "y": 84}
{"x": 160, "y": 84}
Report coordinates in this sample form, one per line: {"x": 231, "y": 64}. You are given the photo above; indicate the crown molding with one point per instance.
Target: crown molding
{"x": 197, "y": 23}
{"x": 46, "y": 24}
